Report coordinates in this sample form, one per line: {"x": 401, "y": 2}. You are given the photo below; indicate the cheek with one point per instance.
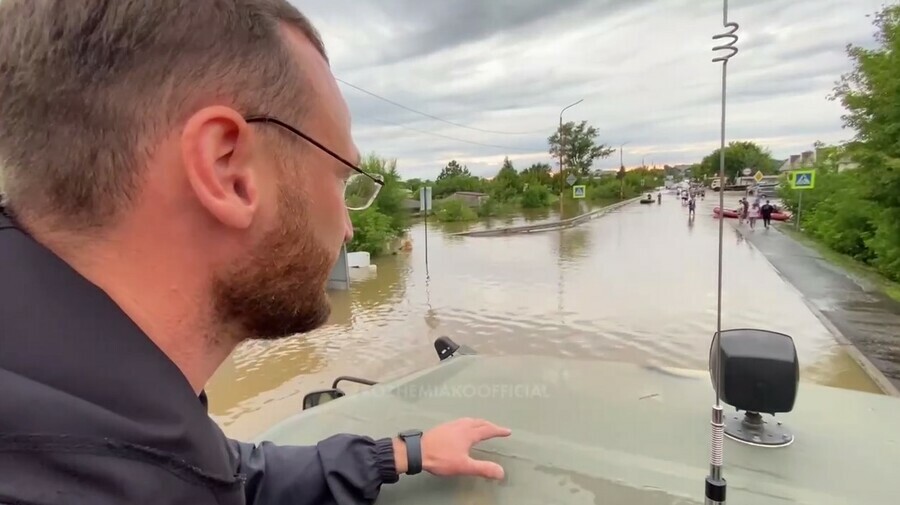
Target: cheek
{"x": 330, "y": 211}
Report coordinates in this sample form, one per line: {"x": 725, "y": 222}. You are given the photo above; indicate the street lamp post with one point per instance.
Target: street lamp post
{"x": 621, "y": 164}
{"x": 621, "y": 168}
{"x": 562, "y": 183}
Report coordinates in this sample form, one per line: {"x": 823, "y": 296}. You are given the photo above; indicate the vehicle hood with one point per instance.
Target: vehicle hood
{"x": 610, "y": 433}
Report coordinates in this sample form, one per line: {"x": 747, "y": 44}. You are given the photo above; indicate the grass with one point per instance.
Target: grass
{"x": 852, "y": 266}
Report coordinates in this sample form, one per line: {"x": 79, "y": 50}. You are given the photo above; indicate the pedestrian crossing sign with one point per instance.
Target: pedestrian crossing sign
{"x": 578, "y": 191}
{"x": 803, "y": 179}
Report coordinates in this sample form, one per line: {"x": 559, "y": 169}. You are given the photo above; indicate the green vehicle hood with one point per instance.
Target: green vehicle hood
{"x": 593, "y": 432}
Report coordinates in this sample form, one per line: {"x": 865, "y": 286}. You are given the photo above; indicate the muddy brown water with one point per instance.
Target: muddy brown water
{"x": 637, "y": 285}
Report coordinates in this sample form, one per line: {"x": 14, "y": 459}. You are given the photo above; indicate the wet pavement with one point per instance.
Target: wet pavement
{"x": 637, "y": 285}
{"x": 858, "y": 313}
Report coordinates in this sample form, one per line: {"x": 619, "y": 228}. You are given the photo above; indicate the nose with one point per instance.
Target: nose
{"x": 348, "y": 227}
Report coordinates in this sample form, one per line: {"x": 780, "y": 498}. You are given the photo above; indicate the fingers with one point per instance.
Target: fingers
{"x": 489, "y": 430}
{"x": 486, "y": 469}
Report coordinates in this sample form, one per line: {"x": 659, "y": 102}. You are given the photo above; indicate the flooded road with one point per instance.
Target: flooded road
{"x": 637, "y": 285}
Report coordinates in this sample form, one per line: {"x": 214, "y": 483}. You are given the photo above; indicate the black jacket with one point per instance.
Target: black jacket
{"x": 92, "y": 412}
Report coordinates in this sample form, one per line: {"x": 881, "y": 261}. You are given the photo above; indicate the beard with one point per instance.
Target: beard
{"x": 279, "y": 289}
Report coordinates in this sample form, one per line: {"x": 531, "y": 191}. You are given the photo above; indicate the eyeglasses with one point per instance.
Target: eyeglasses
{"x": 360, "y": 189}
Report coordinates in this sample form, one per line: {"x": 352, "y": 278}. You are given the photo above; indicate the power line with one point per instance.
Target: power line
{"x": 452, "y": 138}
{"x": 431, "y": 116}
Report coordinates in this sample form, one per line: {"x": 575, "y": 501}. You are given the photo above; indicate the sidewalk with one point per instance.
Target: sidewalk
{"x": 857, "y": 315}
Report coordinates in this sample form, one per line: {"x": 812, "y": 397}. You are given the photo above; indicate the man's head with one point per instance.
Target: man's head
{"x": 130, "y": 115}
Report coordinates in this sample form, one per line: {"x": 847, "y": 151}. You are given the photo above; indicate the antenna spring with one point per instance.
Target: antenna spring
{"x": 718, "y": 440}
{"x": 730, "y": 46}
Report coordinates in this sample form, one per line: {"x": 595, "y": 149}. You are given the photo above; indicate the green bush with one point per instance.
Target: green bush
{"x": 451, "y": 211}
{"x": 492, "y": 208}
{"x": 844, "y": 224}
{"x": 372, "y": 231}
{"x": 841, "y": 213}
{"x": 392, "y": 195}
{"x": 885, "y": 244}
{"x": 605, "y": 189}
{"x": 535, "y": 197}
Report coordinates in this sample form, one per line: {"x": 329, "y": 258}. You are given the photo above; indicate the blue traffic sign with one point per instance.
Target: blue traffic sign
{"x": 804, "y": 179}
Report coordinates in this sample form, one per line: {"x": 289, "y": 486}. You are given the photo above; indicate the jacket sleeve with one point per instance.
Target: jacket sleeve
{"x": 342, "y": 469}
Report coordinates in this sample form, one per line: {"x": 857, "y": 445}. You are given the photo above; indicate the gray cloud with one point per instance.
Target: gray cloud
{"x": 642, "y": 67}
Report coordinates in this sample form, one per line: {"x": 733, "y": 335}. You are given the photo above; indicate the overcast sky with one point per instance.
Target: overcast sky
{"x": 642, "y": 67}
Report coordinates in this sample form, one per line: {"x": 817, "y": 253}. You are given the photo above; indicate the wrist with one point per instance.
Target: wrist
{"x": 401, "y": 462}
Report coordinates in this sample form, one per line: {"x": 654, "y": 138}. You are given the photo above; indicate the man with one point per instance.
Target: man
{"x": 152, "y": 224}
{"x": 767, "y": 211}
{"x": 692, "y": 205}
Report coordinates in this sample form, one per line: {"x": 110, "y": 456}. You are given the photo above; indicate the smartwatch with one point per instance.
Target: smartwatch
{"x": 413, "y": 441}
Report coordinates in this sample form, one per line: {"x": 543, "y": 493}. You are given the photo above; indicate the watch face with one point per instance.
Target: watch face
{"x": 410, "y": 433}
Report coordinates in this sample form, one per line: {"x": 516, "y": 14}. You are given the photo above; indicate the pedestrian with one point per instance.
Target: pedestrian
{"x": 659, "y": 198}
{"x": 766, "y": 212}
{"x": 692, "y": 205}
{"x": 745, "y": 209}
{"x": 150, "y": 227}
{"x": 753, "y": 215}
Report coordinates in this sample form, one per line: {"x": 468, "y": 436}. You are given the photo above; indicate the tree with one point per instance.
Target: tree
{"x": 538, "y": 173}
{"x": 507, "y": 183}
{"x": 578, "y": 146}
{"x": 870, "y": 93}
{"x": 392, "y": 195}
{"x": 386, "y": 219}
{"x": 738, "y": 156}
{"x": 414, "y": 184}
{"x": 453, "y": 169}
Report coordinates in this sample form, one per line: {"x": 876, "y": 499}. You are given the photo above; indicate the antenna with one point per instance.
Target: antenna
{"x": 715, "y": 483}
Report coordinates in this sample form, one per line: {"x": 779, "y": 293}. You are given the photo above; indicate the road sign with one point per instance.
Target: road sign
{"x": 746, "y": 171}
{"x": 425, "y": 198}
{"x": 758, "y": 176}
{"x": 803, "y": 179}
{"x": 571, "y": 179}
{"x": 578, "y": 191}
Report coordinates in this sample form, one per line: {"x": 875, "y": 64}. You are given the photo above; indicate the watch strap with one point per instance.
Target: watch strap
{"x": 413, "y": 441}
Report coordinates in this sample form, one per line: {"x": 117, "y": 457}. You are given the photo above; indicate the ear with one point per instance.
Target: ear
{"x": 216, "y": 147}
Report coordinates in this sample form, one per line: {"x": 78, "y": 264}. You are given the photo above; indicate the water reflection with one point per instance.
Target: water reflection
{"x": 451, "y": 228}
{"x": 536, "y": 215}
{"x": 838, "y": 369}
{"x": 635, "y": 286}
{"x": 574, "y": 243}
{"x": 384, "y": 285}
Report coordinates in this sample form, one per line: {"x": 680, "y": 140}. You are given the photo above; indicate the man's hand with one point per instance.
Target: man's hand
{"x": 445, "y": 449}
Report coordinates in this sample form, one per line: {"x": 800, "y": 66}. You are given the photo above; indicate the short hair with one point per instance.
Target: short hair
{"x": 88, "y": 85}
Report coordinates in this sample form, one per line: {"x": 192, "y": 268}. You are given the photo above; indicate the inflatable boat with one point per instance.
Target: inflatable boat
{"x": 776, "y": 216}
